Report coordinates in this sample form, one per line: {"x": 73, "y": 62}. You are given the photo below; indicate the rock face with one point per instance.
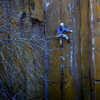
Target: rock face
{"x": 32, "y": 64}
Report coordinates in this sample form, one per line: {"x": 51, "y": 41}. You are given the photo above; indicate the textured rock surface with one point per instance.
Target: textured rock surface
{"x": 25, "y": 52}
{"x": 96, "y": 47}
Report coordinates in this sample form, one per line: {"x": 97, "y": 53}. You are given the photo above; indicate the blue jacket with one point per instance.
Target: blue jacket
{"x": 60, "y": 31}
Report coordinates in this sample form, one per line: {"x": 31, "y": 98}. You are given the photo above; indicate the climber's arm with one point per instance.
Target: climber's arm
{"x": 67, "y": 30}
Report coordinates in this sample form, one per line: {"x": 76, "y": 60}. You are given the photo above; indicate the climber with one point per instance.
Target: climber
{"x": 60, "y": 32}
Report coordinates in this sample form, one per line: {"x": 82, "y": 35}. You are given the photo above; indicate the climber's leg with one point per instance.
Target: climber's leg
{"x": 62, "y": 36}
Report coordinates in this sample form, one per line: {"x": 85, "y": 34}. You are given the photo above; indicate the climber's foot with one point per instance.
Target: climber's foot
{"x": 68, "y": 41}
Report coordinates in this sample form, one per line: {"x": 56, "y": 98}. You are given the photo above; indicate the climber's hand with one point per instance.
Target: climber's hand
{"x": 71, "y": 31}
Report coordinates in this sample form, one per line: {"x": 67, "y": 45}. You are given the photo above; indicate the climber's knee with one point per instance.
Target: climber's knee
{"x": 65, "y": 36}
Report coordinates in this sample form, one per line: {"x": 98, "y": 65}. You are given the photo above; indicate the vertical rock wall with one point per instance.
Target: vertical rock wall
{"x": 31, "y": 64}
{"x": 95, "y": 24}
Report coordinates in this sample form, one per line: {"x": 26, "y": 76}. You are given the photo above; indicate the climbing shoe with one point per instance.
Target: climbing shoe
{"x": 68, "y": 41}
